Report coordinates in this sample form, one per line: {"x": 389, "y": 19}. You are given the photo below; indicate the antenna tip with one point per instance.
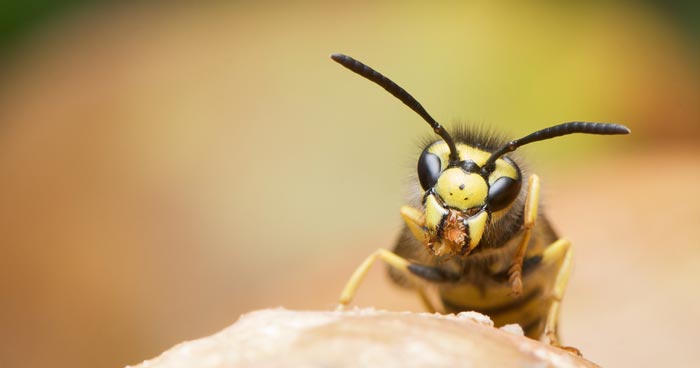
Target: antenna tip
{"x": 338, "y": 57}
{"x": 621, "y": 129}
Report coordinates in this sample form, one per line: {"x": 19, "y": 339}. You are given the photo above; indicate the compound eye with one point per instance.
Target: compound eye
{"x": 503, "y": 192}
{"x": 428, "y": 169}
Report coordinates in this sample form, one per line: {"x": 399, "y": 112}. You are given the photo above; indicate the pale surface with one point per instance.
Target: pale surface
{"x": 364, "y": 338}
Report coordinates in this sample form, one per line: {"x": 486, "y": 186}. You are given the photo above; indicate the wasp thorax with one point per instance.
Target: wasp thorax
{"x": 461, "y": 190}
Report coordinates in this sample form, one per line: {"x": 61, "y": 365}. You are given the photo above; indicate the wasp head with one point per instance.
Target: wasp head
{"x": 461, "y": 196}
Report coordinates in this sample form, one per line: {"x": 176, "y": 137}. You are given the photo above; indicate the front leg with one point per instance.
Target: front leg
{"x": 531, "y": 203}
{"x": 559, "y": 256}
{"x": 408, "y": 269}
{"x": 356, "y": 279}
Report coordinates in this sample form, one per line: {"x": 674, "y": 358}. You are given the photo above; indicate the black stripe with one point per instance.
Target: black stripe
{"x": 434, "y": 274}
{"x": 492, "y": 311}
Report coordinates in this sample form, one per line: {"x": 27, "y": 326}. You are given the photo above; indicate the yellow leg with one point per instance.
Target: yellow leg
{"x": 415, "y": 221}
{"x": 389, "y": 258}
{"x": 558, "y": 253}
{"x": 531, "y": 204}
{"x": 425, "y": 300}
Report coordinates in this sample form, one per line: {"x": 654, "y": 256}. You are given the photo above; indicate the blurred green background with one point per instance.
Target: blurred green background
{"x": 167, "y": 167}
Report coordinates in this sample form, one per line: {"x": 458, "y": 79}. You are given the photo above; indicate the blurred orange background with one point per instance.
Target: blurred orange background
{"x": 166, "y": 168}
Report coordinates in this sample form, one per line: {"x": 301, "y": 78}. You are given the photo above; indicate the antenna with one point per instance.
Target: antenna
{"x": 556, "y": 131}
{"x": 400, "y": 93}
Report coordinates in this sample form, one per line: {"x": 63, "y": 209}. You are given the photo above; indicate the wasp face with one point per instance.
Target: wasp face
{"x": 461, "y": 197}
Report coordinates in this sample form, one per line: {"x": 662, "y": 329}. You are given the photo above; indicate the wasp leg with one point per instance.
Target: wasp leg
{"x": 531, "y": 203}
{"x": 389, "y": 258}
{"x": 559, "y": 255}
{"x": 427, "y": 303}
{"x": 415, "y": 222}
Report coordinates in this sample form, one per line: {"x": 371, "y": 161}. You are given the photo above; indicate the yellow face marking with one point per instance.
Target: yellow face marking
{"x": 503, "y": 168}
{"x": 433, "y": 213}
{"x": 476, "y": 224}
{"x": 461, "y": 190}
{"x": 465, "y": 153}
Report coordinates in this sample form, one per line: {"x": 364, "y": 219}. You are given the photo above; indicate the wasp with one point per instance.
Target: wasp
{"x": 474, "y": 234}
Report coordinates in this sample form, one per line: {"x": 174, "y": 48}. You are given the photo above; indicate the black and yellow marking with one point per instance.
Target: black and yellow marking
{"x": 475, "y": 235}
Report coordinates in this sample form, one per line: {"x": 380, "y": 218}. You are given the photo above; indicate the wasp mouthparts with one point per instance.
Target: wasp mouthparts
{"x": 455, "y": 236}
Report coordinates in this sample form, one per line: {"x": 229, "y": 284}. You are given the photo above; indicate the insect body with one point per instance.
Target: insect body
{"x": 473, "y": 232}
